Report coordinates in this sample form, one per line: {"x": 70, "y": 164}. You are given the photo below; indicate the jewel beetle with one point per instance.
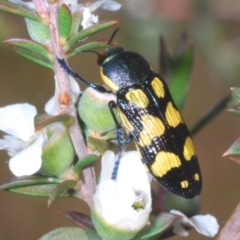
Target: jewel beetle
{"x": 152, "y": 119}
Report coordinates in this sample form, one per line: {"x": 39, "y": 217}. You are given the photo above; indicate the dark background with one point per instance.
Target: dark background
{"x": 213, "y": 27}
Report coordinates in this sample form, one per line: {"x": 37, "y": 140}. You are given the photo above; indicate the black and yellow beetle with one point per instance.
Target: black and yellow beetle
{"x": 149, "y": 114}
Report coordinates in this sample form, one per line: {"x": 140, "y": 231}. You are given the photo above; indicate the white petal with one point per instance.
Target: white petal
{"x": 114, "y": 200}
{"x": 207, "y": 225}
{"x": 11, "y": 144}
{"x": 28, "y": 161}
{"x": 86, "y": 18}
{"x": 137, "y": 178}
{"x": 111, "y": 6}
{"x": 108, "y": 162}
{"x": 17, "y": 120}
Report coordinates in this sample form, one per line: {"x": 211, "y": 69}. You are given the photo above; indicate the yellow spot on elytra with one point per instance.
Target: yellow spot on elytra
{"x": 126, "y": 122}
{"x": 184, "y": 184}
{"x": 108, "y": 81}
{"x": 164, "y": 162}
{"x": 196, "y": 177}
{"x": 158, "y": 87}
{"x": 137, "y": 97}
{"x": 188, "y": 150}
{"x": 152, "y": 127}
{"x": 173, "y": 116}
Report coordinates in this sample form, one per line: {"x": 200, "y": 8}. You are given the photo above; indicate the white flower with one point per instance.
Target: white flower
{"x": 52, "y": 107}
{"x": 125, "y": 203}
{"x": 207, "y": 225}
{"x": 88, "y": 19}
{"x": 23, "y": 145}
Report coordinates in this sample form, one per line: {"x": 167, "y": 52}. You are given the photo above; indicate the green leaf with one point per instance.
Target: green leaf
{"x": 87, "y": 47}
{"x": 181, "y": 46}
{"x": 234, "y": 110}
{"x": 234, "y": 149}
{"x": 17, "y": 9}
{"x": 64, "y": 21}
{"x": 158, "y": 225}
{"x": 43, "y": 120}
{"x": 17, "y": 182}
{"x": 82, "y": 220}
{"x": 38, "y": 31}
{"x": 88, "y": 159}
{"x": 236, "y": 94}
{"x": 61, "y": 188}
{"x": 76, "y": 20}
{"x": 90, "y": 31}
{"x": 179, "y": 79}
{"x": 100, "y": 145}
{"x": 211, "y": 114}
{"x": 32, "y": 51}
{"x": 71, "y": 233}
{"x": 43, "y": 190}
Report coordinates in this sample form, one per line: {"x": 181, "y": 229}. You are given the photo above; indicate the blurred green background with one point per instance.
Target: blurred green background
{"x": 213, "y": 28}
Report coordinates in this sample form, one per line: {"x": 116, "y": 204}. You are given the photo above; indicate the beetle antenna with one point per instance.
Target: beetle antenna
{"x": 110, "y": 40}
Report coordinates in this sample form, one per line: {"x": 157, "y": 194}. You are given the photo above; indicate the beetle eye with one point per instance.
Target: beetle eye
{"x": 102, "y": 57}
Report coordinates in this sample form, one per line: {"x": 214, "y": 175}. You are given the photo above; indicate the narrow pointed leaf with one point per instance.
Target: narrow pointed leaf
{"x": 32, "y": 51}
{"x": 181, "y": 46}
{"x": 180, "y": 76}
{"x": 164, "y": 60}
{"x": 44, "y": 120}
{"x": 76, "y": 21}
{"x": 88, "y": 159}
{"x": 158, "y": 225}
{"x": 234, "y": 149}
{"x": 33, "y": 48}
{"x": 234, "y": 110}
{"x": 43, "y": 190}
{"x": 28, "y": 181}
{"x": 210, "y": 114}
{"x": 100, "y": 145}
{"x": 90, "y": 31}
{"x": 61, "y": 188}
{"x": 88, "y": 46}
{"x": 236, "y": 94}
{"x": 71, "y": 233}
{"x": 64, "y": 21}
{"x": 78, "y": 218}
{"x": 17, "y": 9}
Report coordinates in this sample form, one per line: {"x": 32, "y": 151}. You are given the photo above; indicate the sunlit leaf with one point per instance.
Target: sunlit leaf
{"x": 64, "y": 21}
{"x": 18, "y": 9}
{"x": 90, "y": 31}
